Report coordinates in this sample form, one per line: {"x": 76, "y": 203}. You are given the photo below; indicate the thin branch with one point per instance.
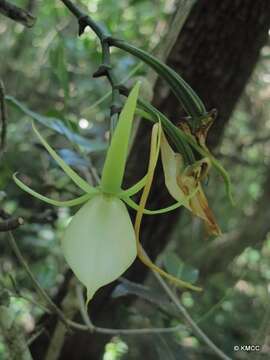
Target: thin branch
{"x": 92, "y": 328}
{"x": 105, "y": 69}
{"x": 3, "y": 116}
{"x": 9, "y": 223}
{"x": 195, "y": 328}
{"x": 72, "y": 324}
{"x": 16, "y": 13}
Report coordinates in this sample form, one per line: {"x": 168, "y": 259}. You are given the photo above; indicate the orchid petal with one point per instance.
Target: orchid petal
{"x": 67, "y": 169}
{"x": 67, "y": 203}
{"x": 181, "y": 182}
{"x": 164, "y": 210}
{"x": 154, "y": 152}
{"x": 135, "y": 206}
{"x": 135, "y": 188}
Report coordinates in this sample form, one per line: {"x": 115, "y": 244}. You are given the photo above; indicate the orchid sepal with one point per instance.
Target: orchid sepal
{"x": 118, "y": 149}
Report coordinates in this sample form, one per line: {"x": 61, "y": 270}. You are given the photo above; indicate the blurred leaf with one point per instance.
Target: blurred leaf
{"x": 154, "y": 297}
{"x": 72, "y": 159}
{"x": 58, "y": 126}
{"x": 175, "y": 266}
{"x": 57, "y": 58}
{"x": 131, "y": 288}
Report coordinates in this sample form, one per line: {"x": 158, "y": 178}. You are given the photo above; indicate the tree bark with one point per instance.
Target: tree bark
{"x": 216, "y": 52}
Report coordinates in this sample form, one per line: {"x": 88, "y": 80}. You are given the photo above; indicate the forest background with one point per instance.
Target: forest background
{"x": 223, "y": 51}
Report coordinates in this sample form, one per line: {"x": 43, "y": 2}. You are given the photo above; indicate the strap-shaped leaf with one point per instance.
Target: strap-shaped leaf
{"x": 115, "y": 162}
{"x": 67, "y": 203}
{"x": 180, "y": 138}
{"x": 190, "y": 101}
{"x": 149, "y": 112}
{"x": 58, "y": 126}
{"x": 67, "y": 169}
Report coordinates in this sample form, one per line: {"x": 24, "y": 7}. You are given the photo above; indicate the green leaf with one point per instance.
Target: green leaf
{"x": 58, "y": 126}
{"x": 175, "y": 266}
{"x": 183, "y": 142}
{"x": 149, "y": 112}
{"x": 115, "y": 162}
{"x": 67, "y": 169}
{"x": 190, "y": 101}
{"x": 67, "y": 203}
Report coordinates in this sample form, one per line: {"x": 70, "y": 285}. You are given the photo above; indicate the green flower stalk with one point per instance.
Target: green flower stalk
{"x": 100, "y": 243}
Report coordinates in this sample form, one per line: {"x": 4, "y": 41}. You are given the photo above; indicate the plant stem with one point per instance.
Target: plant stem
{"x": 92, "y": 328}
{"x": 3, "y": 116}
{"x": 16, "y": 13}
{"x": 105, "y": 69}
{"x": 196, "y": 329}
{"x": 88, "y": 326}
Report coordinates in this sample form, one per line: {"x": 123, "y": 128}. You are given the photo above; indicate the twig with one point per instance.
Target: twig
{"x": 35, "y": 336}
{"x": 196, "y": 329}
{"x": 16, "y": 13}
{"x": 92, "y": 328}
{"x": 9, "y": 223}
{"x": 72, "y": 324}
{"x": 105, "y": 69}
{"x": 3, "y": 116}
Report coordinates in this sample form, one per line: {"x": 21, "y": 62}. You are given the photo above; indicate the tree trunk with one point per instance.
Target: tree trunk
{"x": 216, "y": 53}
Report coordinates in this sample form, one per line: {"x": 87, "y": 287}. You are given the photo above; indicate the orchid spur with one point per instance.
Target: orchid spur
{"x": 100, "y": 243}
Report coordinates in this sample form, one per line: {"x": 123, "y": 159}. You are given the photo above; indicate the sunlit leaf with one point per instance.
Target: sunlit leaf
{"x": 58, "y": 126}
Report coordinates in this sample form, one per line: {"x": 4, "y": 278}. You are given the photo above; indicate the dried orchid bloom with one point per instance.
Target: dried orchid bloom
{"x": 199, "y": 134}
{"x": 100, "y": 243}
{"x": 181, "y": 181}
